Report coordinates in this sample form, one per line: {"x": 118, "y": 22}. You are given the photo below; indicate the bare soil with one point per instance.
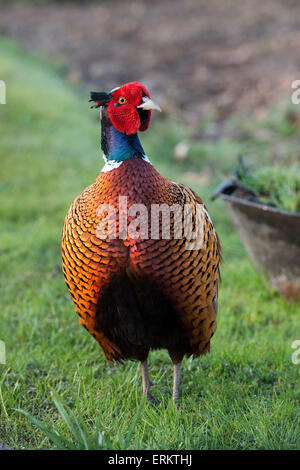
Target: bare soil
{"x": 198, "y": 58}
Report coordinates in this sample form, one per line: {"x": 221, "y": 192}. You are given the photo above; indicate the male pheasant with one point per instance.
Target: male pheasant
{"x": 140, "y": 253}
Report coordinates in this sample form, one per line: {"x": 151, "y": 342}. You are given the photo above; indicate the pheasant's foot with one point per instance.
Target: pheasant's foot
{"x": 177, "y": 403}
{"x": 151, "y": 399}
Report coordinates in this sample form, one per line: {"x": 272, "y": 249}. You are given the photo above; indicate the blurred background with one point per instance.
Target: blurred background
{"x": 222, "y": 73}
{"x": 199, "y": 58}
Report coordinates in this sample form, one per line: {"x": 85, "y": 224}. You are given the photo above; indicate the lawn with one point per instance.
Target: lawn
{"x": 243, "y": 395}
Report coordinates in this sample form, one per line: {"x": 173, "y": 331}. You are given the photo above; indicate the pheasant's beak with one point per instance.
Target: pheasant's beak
{"x": 148, "y": 104}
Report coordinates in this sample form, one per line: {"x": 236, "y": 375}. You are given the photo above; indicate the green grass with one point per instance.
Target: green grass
{"x": 275, "y": 186}
{"x": 244, "y": 395}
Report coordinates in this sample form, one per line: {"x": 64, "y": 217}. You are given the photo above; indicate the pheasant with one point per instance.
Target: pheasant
{"x": 139, "y": 277}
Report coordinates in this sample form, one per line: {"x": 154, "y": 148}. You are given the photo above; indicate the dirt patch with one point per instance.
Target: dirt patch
{"x": 197, "y": 57}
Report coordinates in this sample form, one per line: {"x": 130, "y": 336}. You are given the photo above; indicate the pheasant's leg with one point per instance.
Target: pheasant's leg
{"x": 146, "y": 381}
{"x": 176, "y": 382}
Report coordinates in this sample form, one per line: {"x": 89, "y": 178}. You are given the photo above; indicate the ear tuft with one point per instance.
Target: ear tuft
{"x": 100, "y": 98}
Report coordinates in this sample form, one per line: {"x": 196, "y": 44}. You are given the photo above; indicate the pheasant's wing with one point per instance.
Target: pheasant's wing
{"x": 186, "y": 268}
{"x": 89, "y": 264}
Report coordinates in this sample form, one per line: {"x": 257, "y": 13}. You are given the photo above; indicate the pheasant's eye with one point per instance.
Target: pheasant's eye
{"x": 122, "y": 100}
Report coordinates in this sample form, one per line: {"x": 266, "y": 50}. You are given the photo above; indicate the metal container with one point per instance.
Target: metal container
{"x": 272, "y": 239}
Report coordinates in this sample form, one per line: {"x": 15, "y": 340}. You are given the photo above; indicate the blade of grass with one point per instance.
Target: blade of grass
{"x": 71, "y": 421}
{"x": 134, "y": 423}
{"x": 60, "y": 441}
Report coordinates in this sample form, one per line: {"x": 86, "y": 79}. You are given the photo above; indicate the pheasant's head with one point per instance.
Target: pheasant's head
{"x": 129, "y": 107}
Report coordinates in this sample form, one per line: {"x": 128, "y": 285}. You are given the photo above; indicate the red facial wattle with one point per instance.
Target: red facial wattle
{"x": 125, "y": 118}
